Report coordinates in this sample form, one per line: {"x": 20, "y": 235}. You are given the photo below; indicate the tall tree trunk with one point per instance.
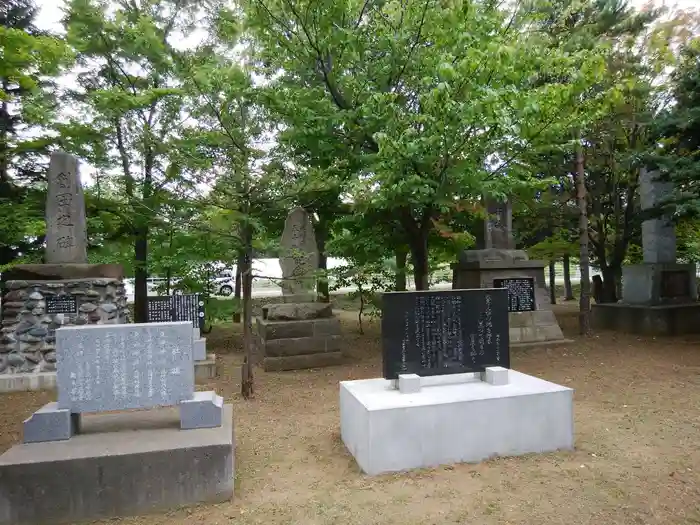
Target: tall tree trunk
{"x": 401, "y": 254}
{"x": 419, "y": 258}
{"x": 568, "y": 289}
{"x": 585, "y": 300}
{"x": 237, "y": 287}
{"x": 322, "y": 289}
{"x": 609, "y": 283}
{"x": 141, "y": 274}
{"x": 247, "y": 275}
{"x": 552, "y": 283}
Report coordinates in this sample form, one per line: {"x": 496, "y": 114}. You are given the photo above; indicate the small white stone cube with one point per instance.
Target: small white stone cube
{"x": 495, "y": 375}
{"x": 409, "y": 383}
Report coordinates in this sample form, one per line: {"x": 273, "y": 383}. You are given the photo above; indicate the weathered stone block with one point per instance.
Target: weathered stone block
{"x": 49, "y": 423}
{"x": 320, "y": 360}
{"x": 199, "y": 351}
{"x": 204, "y": 410}
{"x": 520, "y": 319}
{"x": 292, "y": 329}
{"x": 298, "y": 311}
{"x": 301, "y": 345}
{"x": 658, "y": 320}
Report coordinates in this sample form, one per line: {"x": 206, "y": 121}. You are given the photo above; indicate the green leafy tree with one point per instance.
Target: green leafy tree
{"x": 679, "y": 128}
{"x": 30, "y": 60}
{"x": 432, "y": 100}
{"x": 130, "y": 108}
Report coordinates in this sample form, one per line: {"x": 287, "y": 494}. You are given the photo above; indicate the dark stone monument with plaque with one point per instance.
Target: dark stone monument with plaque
{"x": 448, "y": 394}
{"x": 444, "y": 332}
{"x": 66, "y": 290}
{"x": 78, "y": 463}
{"x": 659, "y": 296}
{"x": 495, "y": 264}
{"x": 186, "y": 307}
{"x": 298, "y": 332}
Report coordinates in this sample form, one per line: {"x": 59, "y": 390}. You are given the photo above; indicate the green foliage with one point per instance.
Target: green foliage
{"x": 680, "y": 131}
{"x": 28, "y": 58}
{"x": 433, "y": 102}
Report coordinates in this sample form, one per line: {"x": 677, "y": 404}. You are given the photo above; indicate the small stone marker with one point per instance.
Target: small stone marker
{"x": 299, "y": 258}
{"x": 66, "y": 230}
{"x": 444, "y": 332}
{"x": 521, "y": 293}
{"x": 119, "y": 367}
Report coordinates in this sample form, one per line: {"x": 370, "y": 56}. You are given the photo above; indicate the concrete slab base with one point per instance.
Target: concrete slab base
{"x": 658, "y": 320}
{"x": 121, "y": 464}
{"x": 453, "y": 419}
{"x": 27, "y": 382}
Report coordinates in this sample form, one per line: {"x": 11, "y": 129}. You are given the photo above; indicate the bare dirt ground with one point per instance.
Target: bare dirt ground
{"x": 637, "y": 459}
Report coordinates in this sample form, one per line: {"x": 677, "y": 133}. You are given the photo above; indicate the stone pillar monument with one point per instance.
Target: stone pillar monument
{"x": 66, "y": 290}
{"x": 497, "y": 264}
{"x": 298, "y": 332}
{"x": 659, "y": 296}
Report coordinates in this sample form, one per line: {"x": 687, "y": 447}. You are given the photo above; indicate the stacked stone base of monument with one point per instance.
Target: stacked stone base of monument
{"x": 76, "y": 463}
{"x": 27, "y": 342}
{"x": 419, "y": 422}
{"x": 657, "y": 299}
{"x": 204, "y": 363}
{"x": 296, "y": 335}
{"x": 483, "y": 268}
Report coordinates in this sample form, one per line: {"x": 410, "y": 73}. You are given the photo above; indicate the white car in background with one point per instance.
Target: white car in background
{"x": 223, "y": 283}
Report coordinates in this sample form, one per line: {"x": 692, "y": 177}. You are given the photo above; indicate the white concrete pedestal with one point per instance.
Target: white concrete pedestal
{"x": 452, "y": 419}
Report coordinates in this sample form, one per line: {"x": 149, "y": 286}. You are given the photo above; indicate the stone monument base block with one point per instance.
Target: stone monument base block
{"x": 27, "y": 382}
{"x": 293, "y": 345}
{"x": 121, "y": 464}
{"x": 656, "y": 320}
{"x": 535, "y": 328}
{"x": 205, "y": 369}
{"x": 453, "y": 419}
{"x": 481, "y": 269}
{"x": 659, "y": 283}
{"x": 299, "y": 362}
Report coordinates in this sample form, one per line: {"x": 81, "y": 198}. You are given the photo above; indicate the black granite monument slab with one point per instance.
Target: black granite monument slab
{"x": 444, "y": 332}
{"x": 189, "y": 307}
{"x": 521, "y": 293}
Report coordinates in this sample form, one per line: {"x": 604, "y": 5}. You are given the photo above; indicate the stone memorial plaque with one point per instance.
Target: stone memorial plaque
{"x": 177, "y": 308}
{"x": 521, "y": 293}
{"x": 66, "y": 226}
{"x": 675, "y": 284}
{"x": 159, "y": 310}
{"x": 188, "y": 308}
{"x": 61, "y": 304}
{"x": 444, "y": 332}
{"x": 119, "y": 367}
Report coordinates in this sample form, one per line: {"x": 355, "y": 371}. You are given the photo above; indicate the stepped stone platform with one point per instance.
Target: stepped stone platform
{"x": 293, "y": 336}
